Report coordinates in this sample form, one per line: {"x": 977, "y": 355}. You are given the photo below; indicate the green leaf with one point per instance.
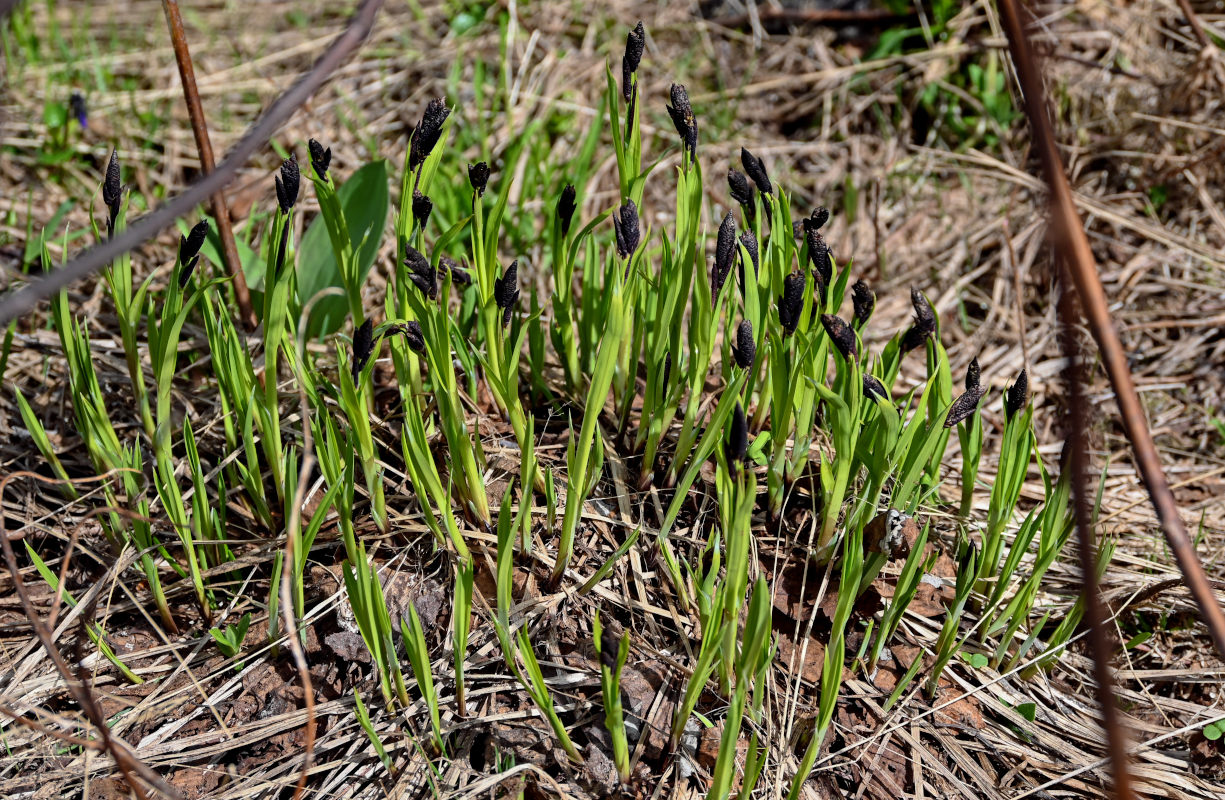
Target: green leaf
{"x": 1028, "y": 710}
{"x": 364, "y": 200}
{"x": 1214, "y": 731}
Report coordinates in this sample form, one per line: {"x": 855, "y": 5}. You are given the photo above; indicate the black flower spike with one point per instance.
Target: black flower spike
{"x": 757, "y": 171}
{"x": 872, "y": 387}
{"x": 478, "y": 176}
{"x": 725, "y": 254}
{"x": 745, "y": 349}
{"x": 667, "y": 372}
{"x": 749, "y": 240}
{"x": 78, "y": 109}
{"x": 625, "y": 225}
{"x": 566, "y": 206}
{"x": 924, "y": 323}
{"x": 185, "y": 270}
{"x": 112, "y": 189}
{"x": 190, "y": 244}
{"x": 965, "y": 406}
{"x": 507, "y": 287}
{"x": 321, "y": 158}
{"x": 974, "y": 377}
{"x": 1017, "y": 396}
{"x": 422, "y": 206}
{"x": 864, "y": 301}
{"x": 428, "y": 132}
{"x": 610, "y": 643}
{"x": 684, "y": 120}
{"x": 816, "y": 220}
{"x": 288, "y": 183}
{"x": 447, "y": 266}
{"x": 737, "y": 447}
{"x": 634, "y": 44}
{"x": 842, "y": 334}
{"x": 818, "y": 255}
{"x": 792, "y": 302}
{"x": 363, "y": 346}
{"x": 421, "y": 272}
{"x": 742, "y": 193}
{"x": 413, "y": 335}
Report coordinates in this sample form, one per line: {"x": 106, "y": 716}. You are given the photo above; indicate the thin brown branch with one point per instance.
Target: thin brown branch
{"x": 1196, "y": 27}
{"x": 21, "y": 301}
{"x": 1069, "y": 240}
{"x": 204, "y": 146}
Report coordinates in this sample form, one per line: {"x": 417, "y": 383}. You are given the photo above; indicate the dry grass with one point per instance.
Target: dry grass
{"x": 1139, "y": 108}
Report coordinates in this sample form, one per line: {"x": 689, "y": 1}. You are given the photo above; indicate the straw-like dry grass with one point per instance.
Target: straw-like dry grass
{"x": 1139, "y": 120}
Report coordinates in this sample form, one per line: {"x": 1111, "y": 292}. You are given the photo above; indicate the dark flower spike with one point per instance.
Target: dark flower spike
{"x": 506, "y": 288}
{"x": 872, "y": 387}
{"x": 190, "y": 244}
{"x": 864, "y": 301}
{"x": 288, "y": 183}
{"x": 112, "y": 189}
{"x": 414, "y": 336}
{"x": 421, "y": 272}
{"x": 447, "y": 266}
{"x": 725, "y": 254}
{"x": 625, "y": 226}
{"x": 363, "y": 346}
{"x": 745, "y": 349}
{"x": 792, "y": 302}
{"x": 974, "y": 377}
{"x": 818, "y": 255}
{"x": 965, "y": 406}
{"x": 566, "y": 207}
{"x": 422, "y": 206}
{"x": 749, "y": 240}
{"x": 757, "y": 171}
{"x": 610, "y": 644}
{"x": 816, "y": 220}
{"x": 321, "y": 158}
{"x": 634, "y": 44}
{"x": 737, "y": 447}
{"x": 742, "y": 193}
{"x": 924, "y": 323}
{"x": 478, "y": 176}
{"x": 843, "y": 336}
{"x": 684, "y": 120}
{"x": 76, "y": 105}
{"x": 427, "y": 133}
{"x": 667, "y": 372}
{"x": 185, "y": 270}
{"x": 1017, "y": 396}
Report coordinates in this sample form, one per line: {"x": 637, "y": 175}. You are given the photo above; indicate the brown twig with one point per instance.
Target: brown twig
{"x": 21, "y": 301}
{"x": 1069, "y": 240}
{"x": 199, "y": 129}
{"x": 1196, "y": 27}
